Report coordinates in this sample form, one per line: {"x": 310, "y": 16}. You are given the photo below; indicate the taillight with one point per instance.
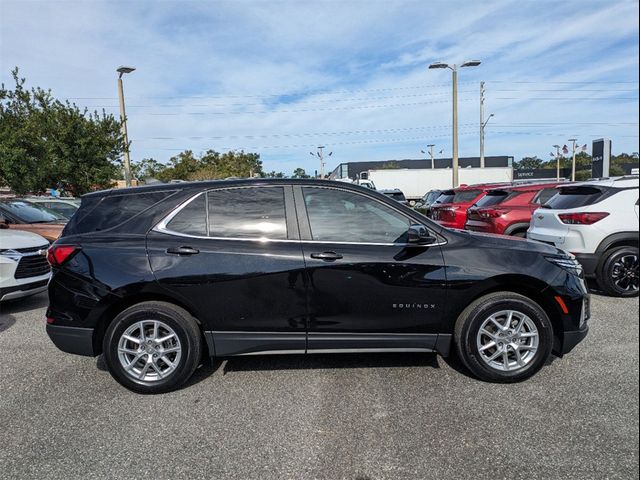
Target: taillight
{"x": 491, "y": 213}
{"x": 585, "y": 218}
{"x": 58, "y": 254}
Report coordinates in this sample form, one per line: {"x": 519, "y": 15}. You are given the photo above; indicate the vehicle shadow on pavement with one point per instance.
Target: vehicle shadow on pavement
{"x": 330, "y": 361}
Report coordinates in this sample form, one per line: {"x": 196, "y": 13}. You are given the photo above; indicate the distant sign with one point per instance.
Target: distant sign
{"x": 601, "y": 155}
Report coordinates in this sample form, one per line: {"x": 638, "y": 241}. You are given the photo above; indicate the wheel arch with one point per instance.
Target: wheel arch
{"x": 114, "y": 308}
{"x": 528, "y": 286}
{"x": 516, "y": 227}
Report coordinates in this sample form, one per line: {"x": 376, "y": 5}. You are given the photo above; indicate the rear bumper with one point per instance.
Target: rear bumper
{"x": 589, "y": 262}
{"x": 479, "y": 226}
{"x": 78, "y": 341}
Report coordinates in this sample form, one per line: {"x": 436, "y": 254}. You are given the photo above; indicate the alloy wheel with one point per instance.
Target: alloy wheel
{"x": 149, "y": 351}
{"x": 624, "y": 273}
{"x": 508, "y": 340}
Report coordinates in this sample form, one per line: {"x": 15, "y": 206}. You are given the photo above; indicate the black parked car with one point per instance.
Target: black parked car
{"x": 154, "y": 277}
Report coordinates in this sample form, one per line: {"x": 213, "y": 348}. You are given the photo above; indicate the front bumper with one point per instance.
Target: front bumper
{"x": 571, "y": 339}
{"x": 78, "y": 341}
{"x": 23, "y": 289}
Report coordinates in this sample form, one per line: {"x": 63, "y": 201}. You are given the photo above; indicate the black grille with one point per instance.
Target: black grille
{"x": 31, "y": 249}
{"x": 32, "y": 266}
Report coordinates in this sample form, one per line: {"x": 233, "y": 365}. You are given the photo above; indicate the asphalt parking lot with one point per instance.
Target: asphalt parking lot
{"x": 329, "y": 417}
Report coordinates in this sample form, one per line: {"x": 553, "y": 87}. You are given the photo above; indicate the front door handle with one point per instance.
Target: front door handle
{"x": 327, "y": 256}
{"x": 182, "y": 250}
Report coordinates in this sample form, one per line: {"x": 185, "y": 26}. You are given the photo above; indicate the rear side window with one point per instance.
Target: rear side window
{"x": 574, "y": 197}
{"x": 102, "y": 213}
{"x": 465, "y": 196}
{"x": 545, "y": 195}
{"x": 247, "y": 213}
{"x": 192, "y": 219}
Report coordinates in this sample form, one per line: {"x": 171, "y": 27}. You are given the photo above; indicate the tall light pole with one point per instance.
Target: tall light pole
{"x": 557, "y": 147}
{"x": 431, "y": 145}
{"x": 454, "y": 81}
{"x": 320, "y": 155}
{"x": 123, "y": 124}
{"x": 573, "y": 163}
{"x": 482, "y": 125}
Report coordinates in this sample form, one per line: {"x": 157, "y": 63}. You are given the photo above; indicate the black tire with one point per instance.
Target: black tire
{"x": 610, "y": 267}
{"x": 470, "y": 321}
{"x": 520, "y": 234}
{"x": 186, "y": 330}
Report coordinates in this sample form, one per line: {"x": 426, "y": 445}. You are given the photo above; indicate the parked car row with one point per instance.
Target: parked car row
{"x": 27, "y": 227}
{"x": 597, "y": 221}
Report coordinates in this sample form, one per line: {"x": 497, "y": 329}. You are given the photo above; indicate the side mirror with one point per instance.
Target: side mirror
{"x": 419, "y": 235}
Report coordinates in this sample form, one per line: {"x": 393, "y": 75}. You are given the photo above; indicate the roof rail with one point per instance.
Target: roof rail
{"x": 526, "y": 181}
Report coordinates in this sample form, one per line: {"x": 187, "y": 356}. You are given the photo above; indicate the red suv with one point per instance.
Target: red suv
{"x": 508, "y": 210}
{"x": 450, "y": 209}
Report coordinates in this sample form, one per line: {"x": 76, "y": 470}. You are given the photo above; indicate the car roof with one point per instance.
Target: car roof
{"x": 628, "y": 181}
{"x": 244, "y": 182}
{"x": 531, "y": 187}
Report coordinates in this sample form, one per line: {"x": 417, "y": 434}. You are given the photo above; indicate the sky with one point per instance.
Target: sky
{"x": 281, "y": 78}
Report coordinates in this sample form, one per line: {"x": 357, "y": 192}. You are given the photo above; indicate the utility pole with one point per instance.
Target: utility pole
{"x": 123, "y": 124}
{"x": 557, "y": 147}
{"x": 573, "y": 163}
{"x": 431, "y": 145}
{"x": 320, "y": 155}
{"x": 454, "y": 81}
{"x": 481, "y": 124}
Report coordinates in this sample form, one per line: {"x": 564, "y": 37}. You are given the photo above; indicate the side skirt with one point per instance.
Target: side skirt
{"x": 224, "y": 344}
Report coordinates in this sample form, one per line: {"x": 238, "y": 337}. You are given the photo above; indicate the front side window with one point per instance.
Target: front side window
{"x": 255, "y": 212}
{"x": 339, "y": 216}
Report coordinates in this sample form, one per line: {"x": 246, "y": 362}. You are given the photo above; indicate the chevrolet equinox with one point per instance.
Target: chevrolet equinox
{"x": 156, "y": 278}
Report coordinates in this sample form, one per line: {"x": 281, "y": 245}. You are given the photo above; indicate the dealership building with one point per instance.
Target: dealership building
{"x": 352, "y": 170}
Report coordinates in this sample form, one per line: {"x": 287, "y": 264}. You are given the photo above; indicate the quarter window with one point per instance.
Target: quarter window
{"x": 192, "y": 219}
{"x": 247, "y": 213}
{"x": 339, "y": 216}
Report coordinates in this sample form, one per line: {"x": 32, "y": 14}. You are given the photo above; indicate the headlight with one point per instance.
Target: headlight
{"x": 566, "y": 262}
{"x": 12, "y": 254}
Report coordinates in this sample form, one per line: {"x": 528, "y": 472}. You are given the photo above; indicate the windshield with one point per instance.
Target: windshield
{"x": 29, "y": 212}
{"x": 431, "y": 197}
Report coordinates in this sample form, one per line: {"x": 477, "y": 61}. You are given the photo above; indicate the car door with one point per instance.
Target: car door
{"x": 368, "y": 288}
{"x": 234, "y": 255}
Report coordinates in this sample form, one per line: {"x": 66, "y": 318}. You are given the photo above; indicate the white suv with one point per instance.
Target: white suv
{"x": 24, "y": 269}
{"x": 597, "y": 221}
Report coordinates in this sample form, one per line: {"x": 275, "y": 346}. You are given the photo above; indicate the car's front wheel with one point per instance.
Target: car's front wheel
{"x": 503, "y": 337}
{"x": 152, "y": 347}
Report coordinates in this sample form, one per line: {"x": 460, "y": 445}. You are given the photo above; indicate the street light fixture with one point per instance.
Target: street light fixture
{"x": 431, "y": 145}
{"x": 454, "y": 81}
{"x": 123, "y": 124}
{"x": 320, "y": 155}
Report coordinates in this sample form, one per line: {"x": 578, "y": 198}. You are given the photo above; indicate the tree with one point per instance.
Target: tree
{"x": 300, "y": 173}
{"x": 45, "y": 142}
{"x": 274, "y": 174}
{"x": 211, "y": 165}
{"x": 529, "y": 162}
{"x": 147, "y": 168}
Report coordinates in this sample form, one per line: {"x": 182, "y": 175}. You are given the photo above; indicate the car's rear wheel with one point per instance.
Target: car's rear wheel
{"x": 618, "y": 273}
{"x": 152, "y": 347}
{"x": 503, "y": 337}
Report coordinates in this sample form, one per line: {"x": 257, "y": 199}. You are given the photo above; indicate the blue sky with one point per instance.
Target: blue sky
{"x": 280, "y": 78}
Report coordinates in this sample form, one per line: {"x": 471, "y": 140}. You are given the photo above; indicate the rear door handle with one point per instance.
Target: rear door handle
{"x": 327, "y": 256}
{"x": 182, "y": 250}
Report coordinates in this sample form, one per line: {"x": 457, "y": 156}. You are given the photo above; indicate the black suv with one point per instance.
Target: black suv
{"x": 157, "y": 277}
